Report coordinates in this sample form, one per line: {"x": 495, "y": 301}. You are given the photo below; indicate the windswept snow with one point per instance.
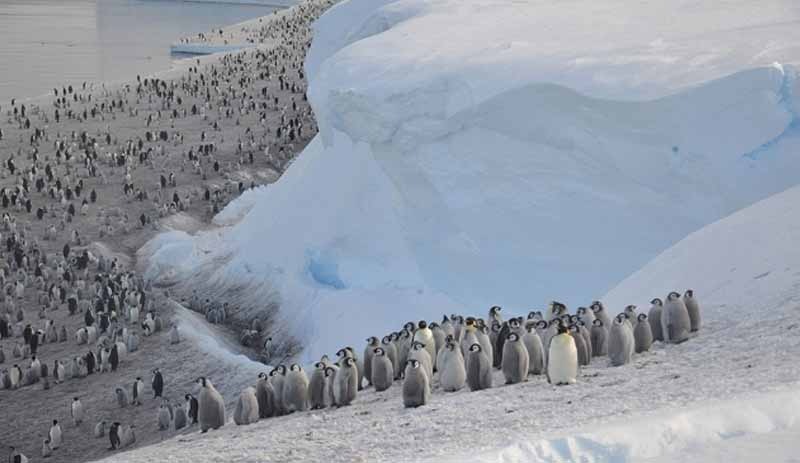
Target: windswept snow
{"x": 736, "y": 384}
{"x": 494, "y": 152}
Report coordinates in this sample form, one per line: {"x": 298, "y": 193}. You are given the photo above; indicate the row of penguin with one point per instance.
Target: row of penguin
{"x": 460, "y": 352}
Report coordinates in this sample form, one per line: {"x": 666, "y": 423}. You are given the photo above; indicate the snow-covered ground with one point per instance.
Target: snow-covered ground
{"x": 496, "y": 152}
{"x": 729, "y": 394}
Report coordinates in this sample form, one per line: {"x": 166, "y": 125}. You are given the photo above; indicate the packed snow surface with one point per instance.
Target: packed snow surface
{"x": 729, "y": 394}
{"x": 474, "y": 153}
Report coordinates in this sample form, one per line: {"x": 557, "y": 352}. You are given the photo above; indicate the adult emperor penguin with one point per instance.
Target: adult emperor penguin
{"x": 533, "y": 344}
{"x": 416, "y": 385}
{"x": 211, "y": 407}
{"x": 164, "y": 417}
{"x": 693, "y": 308}
{"x": 654, "y": 317}
{"x": 246, "y": 407}
{"x": 295, "y": 389}
{"x": 424, "y": 335}
{"x": 157, "y": 383}
{"x": 601, "y": 313}
{"x": 642, "y": 334}
{"x": 562, "y": 367}
{"x": 372, "y": 343}
{"x": 76, "y": 411}
{"x": 452, "y": 373}
{"x": 382, "y": 370}
{"x": 675, "y": 321}
{"x": 515, "y": 360}
{"x": 317, "y": 387}
{"x": 599, "y": 335}
{"x": 479, "y": 371}
{"x": 620, "y": 342}
{"x": 138, "y": 391}
{"x": 180, "y": 420}
{"x": 419, "y": 352}
{"x": 55, "y": 435}
{"x": 345, "y": 383}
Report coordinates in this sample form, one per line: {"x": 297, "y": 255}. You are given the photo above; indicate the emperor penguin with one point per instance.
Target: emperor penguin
{"x": 533, "y": 344}
{"x": 631, "y": 315}
{"x": 15, "y": 374}
{"x": 599, "y": 335}
{"x": 562, "y": 366}
{"x": 391, "y": 353}
{"x": 122, "y": 397}
{"x": 317, "y": 387}
{"x": 174, "y": 335}
{"x": 587, "y": 337}
{"x": 100, "y": 429}
{"x": 479, "y": 371}
{"x": 486, "y": 343}
{"x": 675, "y": 321}
{"x": 345, "y": 384}
{"x": 55, "y": 435}
{"x": 277, "y": 377}
{"x": 620, "y": 342}
{"x": 126, "y": 435}
{"x": 580, "y": 345}
{"x": 452, "y": 373}
{"x": 59, "y": 372}
{"x": 601, "y": 314}
{"x": 372, "y": 343}
{"x": 419, "y": 352}
{"x": 586, "y": 315}
{"x": 211, "y": 407}
{"x": 158, "y": 383}
{"x": 447, "y": 326}
{"x": 642, "y": 334}
{"x": 438, "y": 338}
{"x": 469, "y": 336}
{"x": 265, "y": 395}
{"x": 424, "y": 335}
{"x": 654, "y": 317}
{"x": 164, "y": 418}
{"x": 347, "y": 352}
{"x": 382, "y": 370}
{"x": 416, "y": 385}
{"x": 246, "y": 407}
{"x": 113, "y": 436}
{"x": 497, "y": 335}
{"x": 295, "y": 389}
{"x": 180, "y": 420}
{"x": 516, "y": 361}
{"x": 76, "y": 411}
{"x": 138, "y": 391}
{"x": 693, "y": 308}
{"x": 494, "y": 315}
{"x": 330, "y": 383}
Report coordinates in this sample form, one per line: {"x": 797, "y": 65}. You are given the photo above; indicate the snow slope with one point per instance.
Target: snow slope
{"x": 728, "y": 394}
{"x": 496, "y": 152}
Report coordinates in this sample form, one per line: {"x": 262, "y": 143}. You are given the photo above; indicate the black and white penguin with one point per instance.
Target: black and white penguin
{"x": 345, "y": 383}
{"x": 163, "y": 417}
{"x": 76, "y": 411}
{"x": 265, "y": 395}
{"x": 180, "y": 420}
{"x": 122, "y": 397}
{"x": 382, "y": 370}
{"x": 620, "y": 342}
{"x": 601, "y": 314}
{"x": 479, "y": 371}
{"x": 246, "y": 407}
{"x": 317, "y": 387}
{"x": 211, "y": 407}
{"x": 580, "y": 345}
{"x": 157, "y": 383}
{"x": 138, "y": 391}
{"x": 562, "y": 365}
{"x": 55, "y": 435}
{"x": 599, "y": 335}
{"x": 191, "y": 406}
{"x": 694, "y": 310}
{"x": 113, "y": 435}
{"x": 654, "y": 317}
{"x": 369, "y": 350}
{"x": 419, "y": 352}
{"x": 452, "y": 372}
{"x": 416, "y": 385}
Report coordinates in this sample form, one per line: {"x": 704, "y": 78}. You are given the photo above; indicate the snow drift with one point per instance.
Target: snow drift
{"x": 495, "y": 152}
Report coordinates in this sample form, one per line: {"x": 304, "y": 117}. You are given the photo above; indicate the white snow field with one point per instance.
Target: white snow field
{"x": 730, "y": 394}
{"x": 487, "y": 152}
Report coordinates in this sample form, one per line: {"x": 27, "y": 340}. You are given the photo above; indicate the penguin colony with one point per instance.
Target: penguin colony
{"x": 99, "y": 165}
{"x": 461, "y": 352}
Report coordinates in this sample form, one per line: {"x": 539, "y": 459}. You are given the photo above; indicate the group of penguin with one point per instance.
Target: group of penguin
{"x": 462, "y": 353}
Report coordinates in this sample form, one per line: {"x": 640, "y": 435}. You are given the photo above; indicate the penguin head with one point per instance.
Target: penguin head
{"x": 673, "y": 296}
{"x": 475, "y": 348}
{"x": 689, "y": 293}
{"x": 372, "y": 341}
{"x": 202, "y": 381}
{"x": 657, "y": 302}
{"x": 189, "y": 396}
{"x": 495, "y": 310}
{"x": 350, "y": 361}
{"x": 541, "y": 324}
{"x": 281, "y": 369}
{"x": 295, "y": 367}
{"x": 470, "y": 321}
{"x": 386, "y": 340}
{"x": 413, "y": 363}
{"x": 379, "y": 351}
{"x": 341, "y": 353}
{"x": 596, "y": 306}
{"x": 562, "y": 328}
{"x": 422, "y": 325}
{"x": 572, "y": 319}
{"x": 573, "y": 328}
{"x": 433, "y": 325}
{"x": 450, "y": 345}
{"x": 496, "y": 327}
{"x": 620, "y": 318}
{"x": 404, "y": 334}
{"x": 448, "y": 338}
{"x": 417, "y": 345}
{"x": 642, "y": 317}
{"x": 409, "y": 326}
{"x": 329, "y": 371}
{"x": 631, "y": 308}
{"x": 55, "y": 422}
{"x": 581, "y": 311}
{"x": 514, "y": 323}
{"x": 512, "y": 337}
{"x": 445, "y": 319}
